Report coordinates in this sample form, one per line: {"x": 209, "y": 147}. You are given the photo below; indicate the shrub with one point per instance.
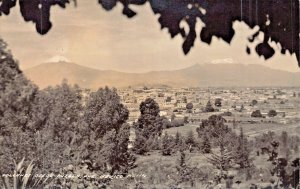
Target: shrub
{"x": 272, "y": 113}
{"x": 256, "y": 113}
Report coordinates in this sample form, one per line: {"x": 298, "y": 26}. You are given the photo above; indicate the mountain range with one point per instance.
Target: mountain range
{"x": 198, "y": 75}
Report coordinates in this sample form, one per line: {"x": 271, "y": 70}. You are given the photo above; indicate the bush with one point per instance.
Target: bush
{"x": 168, "y": 144}
{"x": 209, "y": 107}
{"x": 253, "y": 102}
{"x": 272, "y": 113}
{"x": 226, "y": 114}
{"x": 256, "y": 113}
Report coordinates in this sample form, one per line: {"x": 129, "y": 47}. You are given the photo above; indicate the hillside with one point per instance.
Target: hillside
{"x": 201, "y": 75}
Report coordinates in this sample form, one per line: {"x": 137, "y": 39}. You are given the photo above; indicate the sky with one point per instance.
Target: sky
{"x": 89, "y": 36}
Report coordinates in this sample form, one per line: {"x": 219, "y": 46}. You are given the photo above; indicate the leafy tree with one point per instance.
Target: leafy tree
{"x": 206, "y": 145}
{"x": 279, "y": 164}
{"x": 223, "y": 140}
{"x": 208, "y": 126}
{"x": 285, "y": 147}
{"x": 115, "y": 154}
{"x": 253, "y": 102}
{"x": 154, "y": 143}
{"x": 190, "y": 141}
{"x": 168, "y": 144}
{"x": 218, "y": 102}
{"x": 222, "y": 158}
{"x": 242, "y": 108}
{"x": 105, "y": 112}
{"x": 173, "y": 116}
{"x": 185, "y": 173}
{"x": 209, "y": 107}
{"x": 177, "y": 138}
{"x": 169, "y": 99}
{"x": 185, "y": 120}
{"x": 16, "y": 96}
{"x": 107, "y": 138}
{"x": 234, "y": 123}
{"x": 149, "y": 124}
{"x": 189, "y": 107}
{"x": 256, "y": 113}
{"x": 182, "y": 168}
{"x": 272, "y": 113}
{"x": 184, "y": 99}
{"x": 141, "y": 145}
{"x": 242, "y": 151}
{"x": 167, "y": 124}
{"x": 56, "y": 116}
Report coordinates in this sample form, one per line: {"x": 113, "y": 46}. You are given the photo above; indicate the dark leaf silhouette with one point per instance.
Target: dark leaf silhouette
{"x": 217, "y": 15}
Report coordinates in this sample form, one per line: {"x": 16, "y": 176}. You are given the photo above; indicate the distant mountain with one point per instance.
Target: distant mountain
{"x": 200, "y": 75}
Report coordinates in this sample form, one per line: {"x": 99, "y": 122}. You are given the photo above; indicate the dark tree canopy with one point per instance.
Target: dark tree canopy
{"x": 217, "y": 15}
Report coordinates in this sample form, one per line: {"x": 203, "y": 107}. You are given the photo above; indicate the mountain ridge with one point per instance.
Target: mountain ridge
{"x": 198, "y": 75}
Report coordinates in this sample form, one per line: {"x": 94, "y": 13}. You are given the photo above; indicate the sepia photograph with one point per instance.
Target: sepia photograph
{"x": 149, "y": 94}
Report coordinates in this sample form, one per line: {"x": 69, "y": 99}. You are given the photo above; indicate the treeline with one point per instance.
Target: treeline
{"x": 58, "y": 127}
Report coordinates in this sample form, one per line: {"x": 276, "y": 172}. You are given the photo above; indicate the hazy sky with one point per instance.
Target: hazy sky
{"x": 88, "y": 35}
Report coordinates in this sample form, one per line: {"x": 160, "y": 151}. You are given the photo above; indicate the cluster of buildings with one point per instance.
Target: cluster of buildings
{"x": 239, "y": 101}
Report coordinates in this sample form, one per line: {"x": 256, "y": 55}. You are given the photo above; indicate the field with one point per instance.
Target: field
{"x": 251, "y": 130}
{"x": 160, "y": 169}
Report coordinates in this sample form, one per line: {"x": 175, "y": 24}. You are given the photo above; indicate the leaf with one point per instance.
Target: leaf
{"x": 27, "y": 173}
{"x": 20, "y": 164}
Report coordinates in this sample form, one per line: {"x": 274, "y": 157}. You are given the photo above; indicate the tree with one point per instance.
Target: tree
{"x": 105, "y": 112}
{"x": 185, "y": 120}
{"x": 190, "y": 141}
{"x": 169, "y": 99}
{"x": 242, "y": 151}
{"x": 256, "y": 113}
{"x": 272, "y": 113}
{"x": 280, "y": 167}
{"x": 205, "y": 145}
{"x": 185, "y": 173}
{"x": 141, "y": 145}
{"x": 189, "y": 107}
{"x": 149, "y": 124}
{"x": 284, "y": 147}
{"x": 242, "y": 108}
{"x": 218, "y": 102}
{"x": 208, "y": 126}
{"x": 234, "y": 123}
{"x": 168, "y": 144}
{"x": 55, "y": 117}
{"x": 115, "y": 156}
{"x": 223, "y": 139}
{"x": 184, "y": 99}
{"x": 173, "y": 116}
{"x": 107, "y": 132}
{"x": 253, "y": 102}
{"x": 222, "y": 158}
{"x": 190, "y": 12}
{"x": 178, "y": 140}
{"x": 209, "y": 107}
{"x": 16, "y": 96}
